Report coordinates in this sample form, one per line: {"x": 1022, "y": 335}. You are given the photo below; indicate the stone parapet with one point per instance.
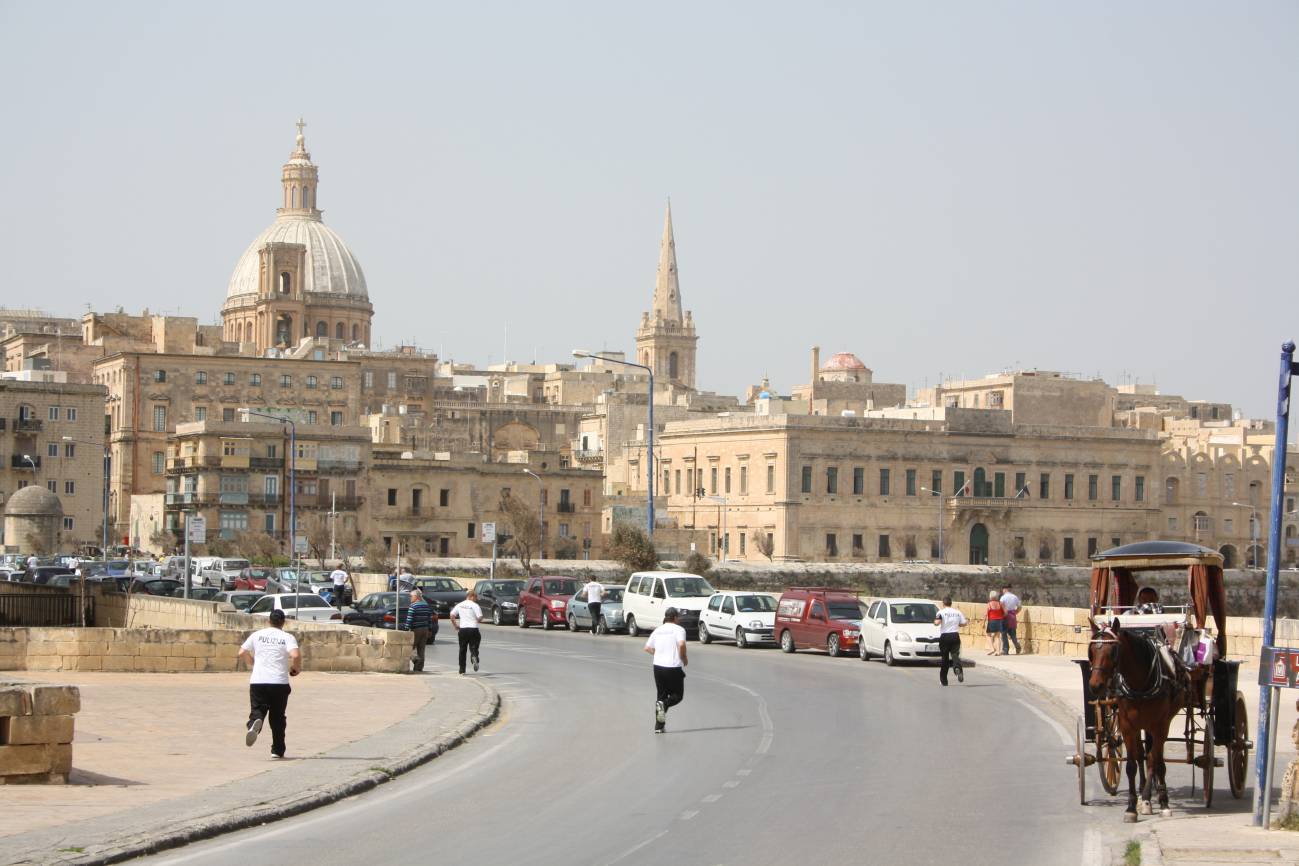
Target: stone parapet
{"x": 36, "y": 728}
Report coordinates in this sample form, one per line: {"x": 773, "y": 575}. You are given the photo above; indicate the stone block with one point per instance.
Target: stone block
{"x": 28, "y": 759}
{"x": 156, "y": 650}
{"x": 35, "y": 730}
{"x": 118, "y": 663}
{"x": 58, "y": 634}
{"x": 44, "y": 663}
{"x": 83, "y": 663}
{"x": 180, "y": 664}
{"x": 347, "y": 663}
{"x": 15, "y": 701}
{"x": 55, "y": 700}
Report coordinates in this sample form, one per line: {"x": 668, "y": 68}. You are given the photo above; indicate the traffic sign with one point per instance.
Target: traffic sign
{"x": 1279, "y": 668}
{"x": 489, "y": 533}
{"x": 300, "y": 544}
{"x": 197, "y": 524}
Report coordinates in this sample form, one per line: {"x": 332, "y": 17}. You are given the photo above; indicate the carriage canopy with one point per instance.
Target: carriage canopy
{"x": 1113, "y": 583}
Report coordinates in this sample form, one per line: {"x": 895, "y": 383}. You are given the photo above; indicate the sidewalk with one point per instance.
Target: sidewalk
{"x": 174, "y": 745}
{"x": 1220, "y": 835}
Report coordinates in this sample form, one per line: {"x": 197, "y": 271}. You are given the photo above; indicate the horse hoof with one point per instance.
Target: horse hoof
{"x": 1144, "y": 808}
{"x": 1129, "y": 817}
{"x": 1165, "y": 813}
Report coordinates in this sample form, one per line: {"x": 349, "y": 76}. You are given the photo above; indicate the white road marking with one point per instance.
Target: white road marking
{"x": 1065, "y": 739}
{"x": 731, "y": 784}
{"x": 688, "y": 814}
{"x": 632, "y": 850}
{"x": 711, "y": 798}
{"x": 743, "y": 772}
{"x": 1091, "y": 854}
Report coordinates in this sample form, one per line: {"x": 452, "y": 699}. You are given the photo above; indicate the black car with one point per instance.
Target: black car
{"x": 43, "y": 573}
{"x": 499, "y": 599}
{"x": 198, "y": 593}
{"x": 156, "y": 586}
{"x": 376, "y": 611}
{"x": 442, "y": 593}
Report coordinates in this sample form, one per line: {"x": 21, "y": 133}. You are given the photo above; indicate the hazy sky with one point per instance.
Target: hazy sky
{"x": 954, "y": 188}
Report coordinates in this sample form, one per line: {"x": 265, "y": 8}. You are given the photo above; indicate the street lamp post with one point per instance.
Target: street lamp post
{"x": 939, "y": 497}
{"x": 293, "y": 501}
{"x": 649, "y": 450}
{"x": 541, "y": 512}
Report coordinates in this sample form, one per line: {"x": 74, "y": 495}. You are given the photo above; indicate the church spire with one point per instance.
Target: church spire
{"x": 667, "y": 289}
{"x": 299, "y": 179}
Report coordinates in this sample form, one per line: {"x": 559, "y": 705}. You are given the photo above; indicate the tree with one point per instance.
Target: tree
{"x": 316, "y": 530}
{"x": 566, "y": 548}
{"x": 524, "y": 528}
{"x": 35, "y": 543}
{"x": 632, "y": 548}
{"x": 378, "y": 559}
{"x": 697, "y": 563}
{"x": 257, "y": 547}
{"x": 765, "y": 544}
{"x": 163, "y": 539}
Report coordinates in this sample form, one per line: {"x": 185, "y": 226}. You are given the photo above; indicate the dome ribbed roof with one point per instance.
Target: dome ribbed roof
{"x": 844, "y": 361}
{"x": 34, "y": 500}
{"x": 331, "y": 267}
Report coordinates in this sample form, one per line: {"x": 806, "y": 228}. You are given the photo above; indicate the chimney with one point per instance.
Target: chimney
{"x": 816, "y": 371}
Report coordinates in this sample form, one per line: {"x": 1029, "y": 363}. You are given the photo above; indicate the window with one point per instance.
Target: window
{"x": 160, "y": 375}
{"x": 54, "y": 413}
{"x": 771, "y": 478}
{"x": 1093, "y": 487}
{"x": 1021, "y": 481}
{"x": 255, "y": 379}
{"x": 311, "y": 382}
{"x": 999, "y": 484}
{"x": 727, "y": 480}
{"x": 831, "y": 544}
{"x": 200, "y": 377}
{"x": 712, "y": 480}
{"x": 1201, "y": 484}
{"x": 676, "y": 483}
{"x": 1092, "y": 547}
{"x": 563, "y": 530}
{"x": 228, "y": 378}
{"x": 233, "y": 522}
{"x": 336, "y": 383}
{"x": 52, "y": 486}
{"x": 227, "y": 414}
{"x": 471, "y": 530}
{"x": 884, "y": 482}
{"x": 858, "y": 544}
{"x": 70, "y": 488}
{"x": 884, "y": 547}
{"x": 1116, "y": 488}
{"x": 807, "y": 479}
{"x": 392, "y": 495}
{"x": 286, "y": 381}
{"x": 1228, "y": 526}
{"x": 1068, "y": 548}
{"x": 269, "y": 524}
{"x": 67, "y": 524}
{"x": 742, "y": 546}
{"x": 367, "y": 379}
{"x": 1172, "y": 523}
{"x": 272, "y": 451}
{"x": 586, "y": 494}
{"x": 270, "y": 486}
{"x": 72, "y": 413}
{"x": 832, "y": 479}
{"x": 160, "y": 419}
{"x": 312, "y": 417}
{"x": 200, "y": 413}
{"x": 1229, "y": 485}
{"x": 744, "y": 488}
{"x": 1068, "y": 485}
{"x": 392, "y": 379}
{"x": 69, "y": 449}
{"x": 958, "y": 484}
{"x": 911, "y": 482}
{"x": 1044, "y": 486}
{"x": 52, "y": 449}
{"x": 336, "y": 419}
{"x": 858, "y": 480}
{"x": 1139, "y": 490}
{"x": 936, "y": 482}
{"x": 158, "y": 463}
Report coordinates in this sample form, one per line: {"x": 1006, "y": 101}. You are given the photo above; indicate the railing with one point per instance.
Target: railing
{"x": 266, "y": 462}
{"x": 324, "y": 465}
{"x": 28, "y": 425}
{"x": 42, "y": 610}
{"x": 566, "y": 508}
{"x": 180, "y": 499}
{"x": 988, "y": 502}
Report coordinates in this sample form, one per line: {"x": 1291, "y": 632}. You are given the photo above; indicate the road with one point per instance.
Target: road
{"x": 771, "y": 758}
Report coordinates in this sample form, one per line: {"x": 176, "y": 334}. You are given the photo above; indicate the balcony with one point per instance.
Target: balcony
{"x": 28, "y": 425}
{"x": 25, "y": 461}
{"x": 192, "y": 462}
{"x": 988, "y": 502}
{"x": 180, "y": 499}
{"x": 566, "y": 508}
{"x": 266, "y": 462}
{"x": 328, "y": 465}
{"x": 232, "y": 498}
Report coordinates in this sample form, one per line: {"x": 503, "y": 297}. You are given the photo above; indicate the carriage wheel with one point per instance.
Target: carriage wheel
{"x": 1109, "y": 749}
{"x": 1206, "y": 760}
{"x": 1238, "y": 750}
{"x": 1082, "y": 762}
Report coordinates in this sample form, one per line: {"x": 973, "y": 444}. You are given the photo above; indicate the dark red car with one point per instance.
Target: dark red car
{"x": 545, "y": 600}
{"x": 818, "y": 618}
{"x": 254, "y": 578}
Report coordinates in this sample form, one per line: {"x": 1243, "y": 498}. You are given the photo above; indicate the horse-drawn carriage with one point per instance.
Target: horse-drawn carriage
{"x": 1149, "y": 662}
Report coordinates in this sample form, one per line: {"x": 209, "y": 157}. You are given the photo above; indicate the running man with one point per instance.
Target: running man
{"x": 465, "y": 617}
{"x": 949, "y": 622}
{"x": 667, "y": 644}
{"x": 275, "y": 657}
{"x": 594, "y": 596}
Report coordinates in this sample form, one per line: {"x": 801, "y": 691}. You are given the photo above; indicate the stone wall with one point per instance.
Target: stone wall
{"x": 36, "y": 727}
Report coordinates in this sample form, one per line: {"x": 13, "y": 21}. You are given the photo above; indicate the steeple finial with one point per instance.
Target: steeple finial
{"x": 667, "y": 288}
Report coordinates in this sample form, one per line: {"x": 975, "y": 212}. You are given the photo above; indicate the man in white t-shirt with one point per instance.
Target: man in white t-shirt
{"x": 275, "y": 657}
{"x": 949, "y": 622}
{"x": 465, "y": 617}
{"x": 594, "y": 592}
{"x": 667, "y": 644}
{"x": 338, "y": 577}
{"x": 1010, "y": 603}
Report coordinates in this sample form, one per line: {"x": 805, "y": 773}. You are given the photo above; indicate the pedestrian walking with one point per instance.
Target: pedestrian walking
{"x": 275, "y": 657}
{"x": 996, "y": 619}
{"x": 667, "y": 644}
{"x": 949, "y": 622}
{"x": 594, "y": 591}
{"x": 421, "y": 620}
{"x": 465, "y": 617}
{"x": 338, "y": 577}
{"x": 1010, "y": 604}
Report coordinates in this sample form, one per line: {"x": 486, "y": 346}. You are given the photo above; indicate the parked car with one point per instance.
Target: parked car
{"x": 253, "y": 577}
{"x": 900, "y": 629}
{"x": 199, "y": 593}
{"x": 241, "y": 599}
{"x": 156, "y": 585}
{"x": 442, "y": 593}
{"x": 305, "y": 607}
{"x": 221, "y": 573}
{"x": 544, "y": 600}
{"x": 611, "y": 618}
{"x": 378, "y": 611}
{"x": 747, "y": 618}
{"x": 43, "y": 573}
{"x": 10, "y": 575}
{"x": 649, "y": 593}
{"x": 818, "y": 618}
{"x": 113, "y": 584}
{"x": 499, "y": 599}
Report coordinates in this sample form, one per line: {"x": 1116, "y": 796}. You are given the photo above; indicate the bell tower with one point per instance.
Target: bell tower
{"x": 666, "y": 339}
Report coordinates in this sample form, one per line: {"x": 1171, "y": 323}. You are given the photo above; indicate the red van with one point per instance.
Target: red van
{"x": 811, "y": 617}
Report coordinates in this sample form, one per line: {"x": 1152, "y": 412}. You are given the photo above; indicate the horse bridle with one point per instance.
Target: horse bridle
{"x": 1118, "y": 686}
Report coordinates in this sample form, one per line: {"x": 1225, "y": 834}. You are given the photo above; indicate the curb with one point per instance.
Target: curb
{"x": 312, "y": 798}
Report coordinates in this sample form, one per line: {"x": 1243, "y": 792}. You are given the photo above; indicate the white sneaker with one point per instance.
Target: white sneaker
{"x": 254, "y": 728}
{"x": 660, "y": 712}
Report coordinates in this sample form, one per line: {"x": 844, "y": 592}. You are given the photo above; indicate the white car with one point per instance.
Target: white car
{"x": 900, "y": 629}
{"x": 307, "y": 606}
{"x": 222, "y": 572}
{"x": 649, "y": 593}
{"x": 747, "y": 618}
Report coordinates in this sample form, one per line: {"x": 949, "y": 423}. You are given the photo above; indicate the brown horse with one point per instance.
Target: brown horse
{"x": 1127, "y": 667}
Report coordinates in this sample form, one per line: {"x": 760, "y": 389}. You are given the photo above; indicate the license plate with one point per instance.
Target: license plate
{"x": 929, "y": 650}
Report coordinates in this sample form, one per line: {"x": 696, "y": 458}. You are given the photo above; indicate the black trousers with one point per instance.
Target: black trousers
{"x": 470, "y": 638}
{"x": 594, "y": 607}
{"x": 417, "y": 652}
{"x": 270, "y": 699}
{"x": 670, "y": 684}
{"x": 950, "y": 646}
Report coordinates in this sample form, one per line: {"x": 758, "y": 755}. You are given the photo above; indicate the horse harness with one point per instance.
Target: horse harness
{"x": 1159, "y": 683}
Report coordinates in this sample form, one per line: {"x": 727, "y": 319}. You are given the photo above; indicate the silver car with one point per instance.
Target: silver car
{"x": 611, "y": 618}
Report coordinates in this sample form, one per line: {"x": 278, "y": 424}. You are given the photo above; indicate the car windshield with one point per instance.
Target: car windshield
{"x": 440, "y": 584}
{"x": 307, "y": 600}
{"x": 259, "y": 573}
{"x": 613, "y": 593}
{"x": 91, "y": 568}
{"x": 561, "y": 587}
{"x": 507, "y": 587}
{"x": 688, "y": 587}
{"x": 755, "y": 603}
{"x": 845, "y": 610}
{"x": 913, "y": 612}
{"x": 243, "y": 602}
{"x": 119, "y": 564}
{"x": 285, "y": 573}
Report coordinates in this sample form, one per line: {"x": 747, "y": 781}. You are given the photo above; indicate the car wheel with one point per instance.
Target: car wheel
{"x": 741, "y": 641}
{"x": 545, "y": 620}
{"x": 832, "y": 646}
{"x": 786, "y": 641}
{"x": 888, "y": 655}
{"x": 523, "y": 617}
{"x": 572, "y": 623}
{"x": 862, "y": 652}
{"x": 704, "y": 636}
{"x": 496, "y": 616}
{"x": 631, "y": 626}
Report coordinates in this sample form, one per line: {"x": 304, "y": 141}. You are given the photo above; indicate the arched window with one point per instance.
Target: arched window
{"x": 339, "y": 331}
{"x": 306, "y": 197}
{"x": 981, "y": 483}
{"x": 286, "y": 282}
{"x": 322, "y": 330}
{"x": 356, "y": 333}
{"x": 293, "y": 198}
{"x": 673, "y": 371}
{"x": 248, "y": 332}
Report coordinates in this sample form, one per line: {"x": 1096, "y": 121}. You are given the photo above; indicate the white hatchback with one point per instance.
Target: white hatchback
{"x": 303, "y": 606}
{"x": 900, "y": 629}
{"x": 747, "y": 618}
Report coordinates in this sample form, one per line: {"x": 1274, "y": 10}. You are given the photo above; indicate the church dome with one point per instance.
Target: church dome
{"x": 34, "y": 501}
{"x": 844, "y": 361}
{"x": 331, "y": 267}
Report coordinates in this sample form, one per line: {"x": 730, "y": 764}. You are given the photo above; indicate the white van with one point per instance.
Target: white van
{"x": 221, "y": 572}
{"x": 649, "y": 593}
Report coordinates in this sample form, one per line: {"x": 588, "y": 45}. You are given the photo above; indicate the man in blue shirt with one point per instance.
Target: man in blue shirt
{"x": 421, "y": 621}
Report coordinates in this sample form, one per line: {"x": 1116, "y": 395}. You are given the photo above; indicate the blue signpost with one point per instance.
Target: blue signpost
{"x": 1266, "y": 723}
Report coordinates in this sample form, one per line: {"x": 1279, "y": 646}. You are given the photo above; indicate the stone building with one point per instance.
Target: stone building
{"x": 52, "y": 437}
{"x": 33, "y": 522}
